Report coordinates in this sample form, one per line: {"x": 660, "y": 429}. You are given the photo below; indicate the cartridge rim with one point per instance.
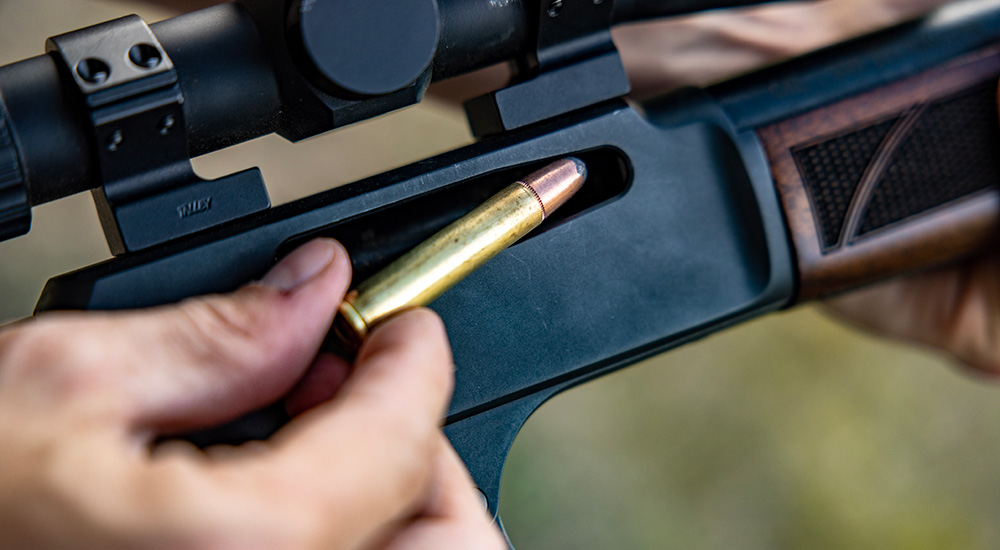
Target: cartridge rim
{"x": 350, "y": 327}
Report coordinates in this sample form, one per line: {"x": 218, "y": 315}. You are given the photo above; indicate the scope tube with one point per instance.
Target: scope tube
{"x": 230, "y": 89}
{"x": 478, "y": 34}
{"x": 48, "y": 132}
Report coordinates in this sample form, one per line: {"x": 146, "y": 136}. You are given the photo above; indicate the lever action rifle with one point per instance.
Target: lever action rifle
{"x": 703, "y": 208}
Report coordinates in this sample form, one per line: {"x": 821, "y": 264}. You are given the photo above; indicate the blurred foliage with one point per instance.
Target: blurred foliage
{"x": 787, "y": 432}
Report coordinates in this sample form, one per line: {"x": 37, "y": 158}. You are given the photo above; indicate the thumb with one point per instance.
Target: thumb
{"x": 212, "y": 359}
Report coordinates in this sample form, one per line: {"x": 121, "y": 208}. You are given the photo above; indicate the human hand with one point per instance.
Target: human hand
{"x": 956, "y": 309}
{"x": 83, "y": 398}
{"x": 707, "y": 47}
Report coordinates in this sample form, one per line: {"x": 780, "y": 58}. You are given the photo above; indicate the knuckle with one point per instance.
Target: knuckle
{"x": 56, "y": 348}
{"x": 30, "y": 341}
{"x": 218, "y": 329}
{"x": 220, "y": 316}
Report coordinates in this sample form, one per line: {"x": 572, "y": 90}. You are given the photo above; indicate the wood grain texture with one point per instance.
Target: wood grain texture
{"x": 942, "y": 234}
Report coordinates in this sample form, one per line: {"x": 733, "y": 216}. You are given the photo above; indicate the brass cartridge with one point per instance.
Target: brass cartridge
{"x": 440, "y": 262}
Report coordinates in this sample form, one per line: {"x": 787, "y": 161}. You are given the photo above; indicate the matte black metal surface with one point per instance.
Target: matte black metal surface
{"x": 229, "y": 89}
{"x": 696, "y": 242}
{"x": 478, "y": 34}
{"x": 49, "y": 129}
{"x": 550, "y": 94}
{"x": 229, "y": 86}
{"x": 99, "y": 62}
{"x": 366, "y": 48}
{"x": 187, "y": 209}
{"x": 570, "y": 63}
{"x": 128, "y": 92}
{"x": 241, "y": 80}
{"x": 15, "y": 210}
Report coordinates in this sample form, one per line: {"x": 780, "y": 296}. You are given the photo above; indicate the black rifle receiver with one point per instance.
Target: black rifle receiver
{"x": 678, "y": 232}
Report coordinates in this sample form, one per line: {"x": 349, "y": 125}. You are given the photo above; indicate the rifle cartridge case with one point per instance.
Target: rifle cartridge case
{"x": 440, "y": 262}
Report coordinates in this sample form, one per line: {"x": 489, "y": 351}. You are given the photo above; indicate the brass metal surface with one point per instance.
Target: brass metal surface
{"x": 349, "y": 328}
{"x": 434, "y": 266}
{"x": 437, "y": 264}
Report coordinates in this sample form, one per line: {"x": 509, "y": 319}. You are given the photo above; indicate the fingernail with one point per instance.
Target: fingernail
{"x": 301, "y": 266}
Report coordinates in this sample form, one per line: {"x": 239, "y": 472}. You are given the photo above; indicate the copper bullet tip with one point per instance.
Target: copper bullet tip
{"x": 557, "y": 182}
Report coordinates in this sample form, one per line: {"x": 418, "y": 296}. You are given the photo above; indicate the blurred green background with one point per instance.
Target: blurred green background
{"x": 788, "y": 432}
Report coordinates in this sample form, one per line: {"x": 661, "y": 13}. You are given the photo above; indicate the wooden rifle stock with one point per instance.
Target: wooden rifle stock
{"x": 896, "y": 179}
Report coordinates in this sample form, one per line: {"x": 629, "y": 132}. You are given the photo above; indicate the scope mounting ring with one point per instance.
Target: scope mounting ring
{"x": 130, "y": 93}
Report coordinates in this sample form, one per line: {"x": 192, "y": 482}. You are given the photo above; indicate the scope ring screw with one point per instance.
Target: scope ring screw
{"x": 555, "y": 7}
{"x": 146, "y": 56}
{"x": 115, "y": 140}
{"x": 93, "y": 70}
{"x": 167, "y": 124}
